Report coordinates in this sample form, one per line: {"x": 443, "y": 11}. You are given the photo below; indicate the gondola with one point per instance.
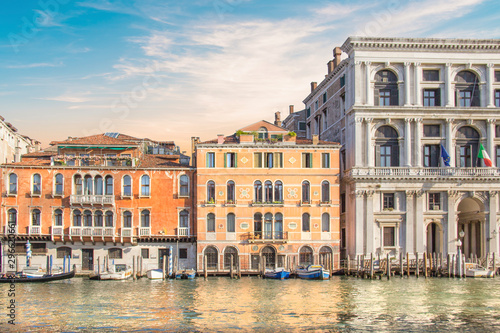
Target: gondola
{"x": 44, "y": 278}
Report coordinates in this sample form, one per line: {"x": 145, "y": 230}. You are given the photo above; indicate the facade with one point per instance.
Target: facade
{"x": 264, "y": 193}
{"x": 13, "y": 144}
{"x": 295, "y": 122}
{"x": 96, "y": 196}
{"x": 394, "y": 104}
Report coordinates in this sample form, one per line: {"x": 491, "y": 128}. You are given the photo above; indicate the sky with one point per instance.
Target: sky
{"x": 170, "y": 70}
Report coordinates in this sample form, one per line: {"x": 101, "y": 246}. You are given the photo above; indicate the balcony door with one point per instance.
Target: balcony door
{"x": 467, "y": 144}
{"x": 386, "y": 147}
{"x": 87, "y": 259}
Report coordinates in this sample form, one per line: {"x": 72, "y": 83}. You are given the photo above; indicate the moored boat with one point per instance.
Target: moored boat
{"x": 43, "y": 278}
{"x": 155, "y": 274}
{"x": 313, "y": 272}
{"x": 477, "y": 271}
{"x": 279, "y": 273}
{"x": 116, "y": 272}
{"x": 188, "y": 274}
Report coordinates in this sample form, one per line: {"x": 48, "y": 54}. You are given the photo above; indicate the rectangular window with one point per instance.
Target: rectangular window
{"x": 389, "y": 237}
{"x": 324, "y": 98}
{"x": 497, "y": 76}
{"x": 497, "y": 149}
{"x": 307, "y": 160}
{"x": 388, "y": 203}
{"x": 465, "y": 156}
{"x": 257, "y": 160}
{"x": 308, "y": 112}
{"x": 432, "y": 97}
{"x": 384, "y": 97}
{"x": 302, "y": 125}
{"x": 385, "y": 156}
{"x": 342, "y": 203}
{"x": 431, "y": 75}
{"x": 183, "y": 253}
{"x": 342, "y": 81}
{"x": 145, "y": 253}
{"x": 434, "y": 201}
{"x": 111, "y": 159}
{"x": 278, "y": 160}
{"x": 432, "y": 131}
{"x": 432, "y": 153}
{"x": 316, "y": 106}
{"x": 497, "y": 98}
{"x": 465, "y": 98}
{"x": 325, "y": 160}
{"x": 115, "y": 253}
{"x": 70, "y": 161}
{"x": 325, "y": 120}
{"x": 268, "y": 160}
{"x": 342, "y": 107}
{"x": 210, "y": 160}
{"x": 127, "y": 161}
{"x": 230, "y": 160}
{"x": 84, "y": 159}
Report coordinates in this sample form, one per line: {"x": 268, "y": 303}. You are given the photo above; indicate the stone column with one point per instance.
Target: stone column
{"x": 357, "y": 78}
{"x": 410, "y": 225}
{"x": 368, "y": 142}
{"x": 359, "y": 217}
{"x": 418, "y": 78}
{"x": 490, "y": 78}
{"x": 449, "y": 141}
{"x": 407, "y": 83}
{"x": 419, "y": 221}
{"x": 418, "y": 142}
{"x": 465, "y": 240}
{"x": 358, "y": 142}
{"x": 369, "y": 222}
{"x": 450, "y": 236}
{"x": 492, "y": 243}
{"x": 407, "y": 142}
{"x": 490, "y": 141}
{"x": 368, "y": 83}
{"x": 450, "y": 96}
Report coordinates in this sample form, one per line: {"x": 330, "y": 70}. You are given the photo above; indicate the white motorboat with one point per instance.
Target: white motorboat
{"x": 155, "y": 274}
{"x": 115, "y": 272}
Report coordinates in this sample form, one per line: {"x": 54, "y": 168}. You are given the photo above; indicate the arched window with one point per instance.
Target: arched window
{"x": 306, "y": 219}
{"x": 63, "y": 252}
{"x": 467, "y": 147}
{"x": 306, "y": 192}
{"x": 184, "y": 186}
{"x": 12, "y": 216}
{"x": 268, "y": 226}
{"x": 87, "y": 218}
{"x": 325, "y": 222}
{"x": 231, "y": 195}
{"x": 257, "y": 225}
{"x": 35, "y": 217}
{"x": 278, "y": 226}
{"x": 109, "y": 185}
{"x": 98, "y": 190}
{"x": 386, "y": 148}
{"x": 325, "y": 191}
{"x": 109, "y": 219}
{"x": 386, "y": 88}
{"x": 59, "y": 184}
{"x": 77, "y": 218}
{"x": 58, "y": 218}
{"x": 467, "y": 89}
{"x": 230, "y": 223}
{"x": 37, "y": 184}
{"x": 230, "y": 252}
{"x": 326, "y": 257}
{"x": 278, "y": 191}
{"x": 212, "y": 256}
{"x": 98, "y": 219}
{"x": 184, "y": 219}
{"x": 78, "y": 185}
{"x": 262, "y": 132}
{"x": 127, "y": 219}
{"x": 145, "y": 191}
{"x": 268, "y": 191}
{"x": 127, "y": 186}
{"x": 87, "y": 185}
{"x": 305, "y": 256}
{"x": 145, "y": 218}
{"x": 270, "y": 254}
{"x": 12, "y": 183}
{"x": 257, "y": 188}
{"x": 211, "y": 191}
{"x": 211, "y": 222}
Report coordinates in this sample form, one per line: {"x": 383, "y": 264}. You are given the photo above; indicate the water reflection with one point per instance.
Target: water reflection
{"x": 221, "y": 304}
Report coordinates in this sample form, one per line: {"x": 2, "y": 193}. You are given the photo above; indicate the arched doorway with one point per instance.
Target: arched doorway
{"x": 270, "y": 254}
{"x": 228, "y": 252}
{"x": 212, "y": 257}
{"x": 471, "y": 220}
{"x": 326, "y": 257}
{"x": 434, "y": 238}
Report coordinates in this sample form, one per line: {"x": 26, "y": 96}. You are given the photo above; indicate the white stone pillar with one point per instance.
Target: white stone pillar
{"x": 369, "y": 222}
{"x": 490, "y": 139}
{"x": 465, "y": 240}
{"x": 368, "y": 84}
{"x": 419, "y": 221}
{"x": 451, "y": 230}
{"x": 450, "y": 96}
{"x": 359, "y": 218}
{"x": 407, "y": 152}
{"x": 410, "y": 225}
{"x": 418, "y": 91}
{"x": 449, "y": 141}
{"x": 358, "y": 142}
{"x": 418, "y": 142}
{"x": 407, "y": 83}
{"x": 357, "y": 78}
{"x": 368, "y": 142}
{"x": 493, "y": 235}
{"x": 490, "y": 78}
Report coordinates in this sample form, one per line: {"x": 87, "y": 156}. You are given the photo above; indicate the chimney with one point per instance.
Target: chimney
{"x": 277, "y": 118}
{"x": 315, "y": 138}
{"x": 313, "y": 86}
{"x": 220, "y": 139}
{"x": 331, "y": 66}
{"x": 337, "y": 54}
{"x": 291, "y": 109}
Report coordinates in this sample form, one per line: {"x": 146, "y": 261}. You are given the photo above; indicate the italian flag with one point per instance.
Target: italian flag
{"x": 484, "y": 156}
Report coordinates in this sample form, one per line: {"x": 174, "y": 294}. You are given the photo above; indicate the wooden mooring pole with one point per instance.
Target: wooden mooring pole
{"x": 494, "y": 265}
{"x": 263, "y": 267}
{"x": 417, "y": 268}
{"x": 133, "y": 268}
{"x": 408, "y": 264}
{"x": 371, "y": 265}
{"x": 98, "y": 266}
{"x": 164, "y": 268}
{"x": 205, "y": 266}
{"x": 231, "y": 267}
{"x": 401, "y": 268}
{"x": 239, "y": 267}
{"x": 348, "y": 265}
{"x": 388, "y": 267}
{"x": 425, "y": 264}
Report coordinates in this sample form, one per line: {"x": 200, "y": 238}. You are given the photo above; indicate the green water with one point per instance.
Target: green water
{"x": 253, "y": 304}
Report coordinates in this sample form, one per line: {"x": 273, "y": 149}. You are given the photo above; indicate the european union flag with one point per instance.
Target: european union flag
{"x": 445, "y": 156}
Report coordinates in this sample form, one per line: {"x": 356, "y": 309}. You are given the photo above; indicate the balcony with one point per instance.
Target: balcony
{"x": 126, "y": 232}
{"x": 35, "y": 230}
{"x": 182, "y": 231}
{"x": 91, "y": 231}
{"x": 144, "y": 232}
{"x": 77, "y": 199}
{"x": 417, "y": 173}
{"x": 268, "y": 204}
{"x": 267, "y": 237}
{"x": 57, "y": 231}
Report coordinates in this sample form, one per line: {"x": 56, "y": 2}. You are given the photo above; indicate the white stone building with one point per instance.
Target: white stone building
{"x": 392, "y": 103}
{"x": 13, "y": 144}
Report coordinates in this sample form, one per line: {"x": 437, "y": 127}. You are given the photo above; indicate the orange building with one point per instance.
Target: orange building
{"x": 103, "y": 195}
{"x": 263, "y": 192}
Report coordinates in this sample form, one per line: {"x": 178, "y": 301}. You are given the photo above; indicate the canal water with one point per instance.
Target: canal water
{"x": 252, "y": 304}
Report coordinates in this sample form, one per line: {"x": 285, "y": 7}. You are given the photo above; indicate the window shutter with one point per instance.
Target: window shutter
{"x": 394, "y": 96}
{"x": 395, "y": 155}
{"x": 303, "y": 160}
{"x": 457, "y": 156}
{"x": 377, "y": 155}
{"x": 438, "y": 97}
{"x": 235, "y": 160}
{"x": 377, "y": 97}
{"x": 311, "y": 159}
{"x": 225, "y": 160}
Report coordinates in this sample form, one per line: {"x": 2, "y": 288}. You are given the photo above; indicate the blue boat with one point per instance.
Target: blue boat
{"x": 279, "y": 273}
{"x": 186, "y": 274}
{"x": 313, "y": 272}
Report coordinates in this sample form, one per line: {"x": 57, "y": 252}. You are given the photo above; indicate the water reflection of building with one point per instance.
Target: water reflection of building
{"x": 393, "y": 103}
{"x": 102, "y": 195}
{"x": 262, "y": 192}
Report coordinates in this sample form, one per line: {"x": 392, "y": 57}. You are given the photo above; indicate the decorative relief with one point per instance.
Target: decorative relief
{"x": 419, "y": 193}
{"x": 359, "y": 120}
{"x": 410, "y": 193}
{"x": 221, "y": 193}
{"x": 450, "y": 120}
{"x": 368, "y": 120}
{"x": 292, "y": 160}
{"x": 470, "y": 121}
{"x": 493, "y": 194}
{"x": 359, "y": 193}
{"x": 244, "y": 225}
{"x": 292, "y": 225}
{"x": 453, "y": 194}
{"x": 315, "y": 193}
{"x": 292, "y": 193}
{"x": 316, "y": 226}
{"x": 244, "y": 160}
{"x": 492, "y": 121}
{"x": 244, "y": 193}
{"x": 369, "y": 193}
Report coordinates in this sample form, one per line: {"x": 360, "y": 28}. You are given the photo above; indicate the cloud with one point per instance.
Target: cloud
{"x": 78, "y": 98}
{"x": 47, "y": 20}
{"x": 35, "y": 65}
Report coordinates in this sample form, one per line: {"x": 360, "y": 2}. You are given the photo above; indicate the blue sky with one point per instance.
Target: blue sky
{"x": 169, "y": 70}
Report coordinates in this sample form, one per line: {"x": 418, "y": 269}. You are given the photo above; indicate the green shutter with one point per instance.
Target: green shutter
{"x": 235, "y": 160}
{"x": 225, "y": 160}
{"x": 206, "y": 159}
